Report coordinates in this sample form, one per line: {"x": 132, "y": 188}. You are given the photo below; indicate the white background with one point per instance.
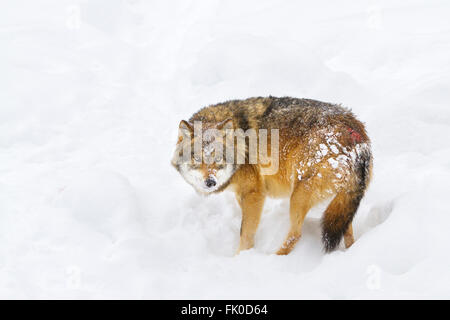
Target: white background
{"x": 91, "y": 94}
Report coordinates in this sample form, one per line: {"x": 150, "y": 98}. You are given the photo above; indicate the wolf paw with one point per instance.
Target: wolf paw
{"x": 288, "y": 245}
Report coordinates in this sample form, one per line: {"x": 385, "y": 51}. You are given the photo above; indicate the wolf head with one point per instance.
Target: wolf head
{"x": 205, "y": 154}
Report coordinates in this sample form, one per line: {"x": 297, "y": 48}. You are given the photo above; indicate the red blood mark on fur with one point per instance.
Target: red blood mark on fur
{"x": 356, "y": 137}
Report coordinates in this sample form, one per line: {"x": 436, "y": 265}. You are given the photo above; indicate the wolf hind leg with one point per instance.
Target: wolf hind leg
{"x": 300, "y": 204}
{"x": 348, "y": 237}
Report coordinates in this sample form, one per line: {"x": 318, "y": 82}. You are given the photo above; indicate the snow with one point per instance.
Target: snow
{"x": 92, "y": 95}
{"x": 334, "y": 149}
{"x": 334, "y": 163}
{"x": 323, "y": 150}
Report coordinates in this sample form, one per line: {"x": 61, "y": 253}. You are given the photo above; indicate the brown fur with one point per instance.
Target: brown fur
{"x": 324, "y": 152}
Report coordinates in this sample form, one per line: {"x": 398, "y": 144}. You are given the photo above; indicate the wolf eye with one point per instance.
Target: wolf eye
{"x": 220, "y": 166}
{"x": 197, "y": 159}
{"x": 218, "y": 159}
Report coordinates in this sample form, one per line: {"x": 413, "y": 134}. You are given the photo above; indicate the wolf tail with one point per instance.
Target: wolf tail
{"x": 340, "y": 212}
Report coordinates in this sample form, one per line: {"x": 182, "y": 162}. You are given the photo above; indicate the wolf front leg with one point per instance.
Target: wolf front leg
{"x": 251, "y": 204}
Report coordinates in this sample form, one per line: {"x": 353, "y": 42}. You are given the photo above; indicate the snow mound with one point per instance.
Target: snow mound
{"x": 103, "y": 201}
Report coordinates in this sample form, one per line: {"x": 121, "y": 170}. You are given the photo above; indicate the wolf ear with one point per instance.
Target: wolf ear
{"x": 226, "y": 124}
{"x": 185, "y": 129}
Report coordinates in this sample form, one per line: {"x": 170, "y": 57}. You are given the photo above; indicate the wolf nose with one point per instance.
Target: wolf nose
{"x": 210, "y": 183}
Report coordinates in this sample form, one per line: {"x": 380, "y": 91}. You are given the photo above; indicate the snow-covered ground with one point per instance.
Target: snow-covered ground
{"x": 91, "y": 96}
